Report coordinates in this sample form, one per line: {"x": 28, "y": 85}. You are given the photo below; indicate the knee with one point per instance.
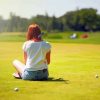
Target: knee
{"x": 15, "y": 62}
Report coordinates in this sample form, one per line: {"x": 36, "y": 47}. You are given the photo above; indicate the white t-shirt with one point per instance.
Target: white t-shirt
{"x": 36, "y": 54}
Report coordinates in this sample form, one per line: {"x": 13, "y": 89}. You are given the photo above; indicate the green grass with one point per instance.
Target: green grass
{"x": 12, "y": 37}
{"x": 73, "y": 68}
{"x": 94, "y": 38}
{"x": 74, "y": 64}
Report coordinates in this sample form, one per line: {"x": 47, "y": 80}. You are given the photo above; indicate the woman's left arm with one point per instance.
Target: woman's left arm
{"x": 25, "y": 57}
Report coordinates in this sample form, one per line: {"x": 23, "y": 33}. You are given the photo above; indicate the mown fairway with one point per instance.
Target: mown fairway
{"x": 72, "y": 73}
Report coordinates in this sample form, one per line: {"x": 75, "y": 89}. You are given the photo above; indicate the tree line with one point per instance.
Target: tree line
{"x": 86, "y": 19}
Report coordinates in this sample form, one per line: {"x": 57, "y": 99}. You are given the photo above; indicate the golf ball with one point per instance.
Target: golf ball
{"x": 16, "y": 89}
{"x": 97, "y": 76}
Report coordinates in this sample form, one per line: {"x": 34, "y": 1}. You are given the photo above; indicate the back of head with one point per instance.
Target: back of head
{"x": 33, "y": 32}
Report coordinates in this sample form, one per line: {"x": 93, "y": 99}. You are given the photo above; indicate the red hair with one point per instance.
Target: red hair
{"x": 33, "y": 32}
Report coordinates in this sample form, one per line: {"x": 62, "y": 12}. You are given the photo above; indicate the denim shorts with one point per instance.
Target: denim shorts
{"x": 35, "y": 75}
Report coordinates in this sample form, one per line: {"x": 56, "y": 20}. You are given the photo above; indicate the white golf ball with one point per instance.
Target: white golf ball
{"x": 16, "y": 89}
{"x": 97, "y": 76}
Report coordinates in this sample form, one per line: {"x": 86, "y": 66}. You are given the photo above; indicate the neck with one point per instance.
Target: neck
{"x": 36, "y": 39}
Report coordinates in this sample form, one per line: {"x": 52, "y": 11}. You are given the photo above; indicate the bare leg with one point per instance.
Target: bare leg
{"x": 19, "y": 66}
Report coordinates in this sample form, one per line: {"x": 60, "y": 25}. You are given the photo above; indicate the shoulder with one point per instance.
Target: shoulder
{"x": 46, "y": 43}
{"x": 26, "y": 44}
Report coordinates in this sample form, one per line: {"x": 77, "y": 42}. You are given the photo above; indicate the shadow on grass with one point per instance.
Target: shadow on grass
{"x": 51, "y": 79}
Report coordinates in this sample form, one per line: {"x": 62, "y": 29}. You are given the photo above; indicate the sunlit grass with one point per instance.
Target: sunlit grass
{"x": 73, "y": 67}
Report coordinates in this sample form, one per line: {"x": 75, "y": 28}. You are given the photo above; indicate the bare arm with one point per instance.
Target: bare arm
{"x": 25, "y": 57}
{"x": 48, "y": 57}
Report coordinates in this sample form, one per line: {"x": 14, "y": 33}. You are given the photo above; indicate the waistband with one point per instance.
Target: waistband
{"x": 44, "y": 70}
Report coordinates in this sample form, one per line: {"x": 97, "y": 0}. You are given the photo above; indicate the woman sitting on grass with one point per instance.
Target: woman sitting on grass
{"x": 36, "y": 55}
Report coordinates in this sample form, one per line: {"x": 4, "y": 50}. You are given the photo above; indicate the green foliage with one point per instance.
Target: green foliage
{"x": 14, "y": 24}
{"x": 81, "y": 20}
{"x": 85, "y": 19}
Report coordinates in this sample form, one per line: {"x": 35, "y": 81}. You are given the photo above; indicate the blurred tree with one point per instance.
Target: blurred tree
{"x": 88, "y": 18}
{"x": 1, "y": 24}
{"x": 80, "y": 20}
{"x": 16, "y": 23}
